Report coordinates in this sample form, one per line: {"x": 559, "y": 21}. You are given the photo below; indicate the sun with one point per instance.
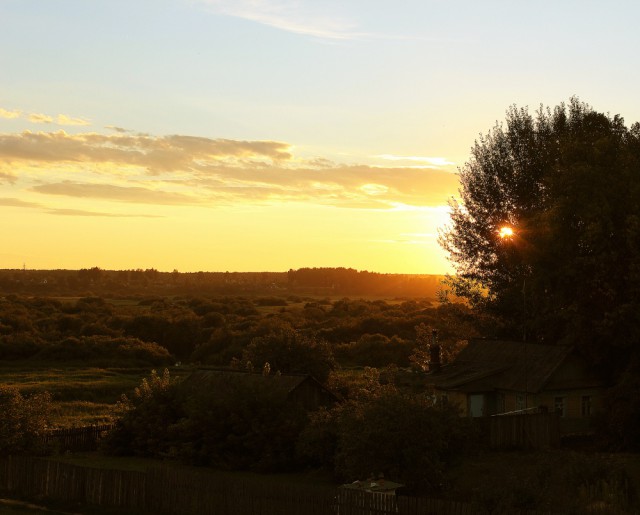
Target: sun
{"x": 505, "y": 232}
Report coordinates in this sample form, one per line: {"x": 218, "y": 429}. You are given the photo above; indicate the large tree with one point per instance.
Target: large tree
{"x": 567, "y": 182}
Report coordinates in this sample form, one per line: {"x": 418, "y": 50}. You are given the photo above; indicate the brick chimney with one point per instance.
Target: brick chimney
{"x": 434, "y": 353}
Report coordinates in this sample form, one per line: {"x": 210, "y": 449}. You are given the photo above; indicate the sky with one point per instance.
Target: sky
{"x": 264, "y": 135}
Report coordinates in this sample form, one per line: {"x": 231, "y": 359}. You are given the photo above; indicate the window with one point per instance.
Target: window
{"x": 559, "y": 406}
{"x": 586, "y": 405}
{"x": 501, "y": 403}
{"x": 519, "y": 402}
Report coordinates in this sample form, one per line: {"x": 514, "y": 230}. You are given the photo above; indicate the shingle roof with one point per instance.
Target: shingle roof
{"x": 287, "y": 382}
{"x": 485, "y": 365}
{"x": 216, "y": 377}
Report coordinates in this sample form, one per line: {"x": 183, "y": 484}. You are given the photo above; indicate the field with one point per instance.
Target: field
{"x": 81, "y": 396}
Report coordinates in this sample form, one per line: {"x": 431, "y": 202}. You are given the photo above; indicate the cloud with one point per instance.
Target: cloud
{"x": 117, "y": 129}
{"x": 63, "y": 119}
{"x": 111, "y": 192}
{"x": 155, "y": 154}
{"x": 81, "y": 212}
{"x": 10, "y": 114}
{"x": 14, "y": 202}
{"x": 429, "y": 161}
{"x": 190, "y": 170}
{"x": 288, "y": 15}
{"x": 39, "y": 118}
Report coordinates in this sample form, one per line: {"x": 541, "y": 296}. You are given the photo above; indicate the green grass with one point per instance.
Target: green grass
{"x": 81, "y": 395}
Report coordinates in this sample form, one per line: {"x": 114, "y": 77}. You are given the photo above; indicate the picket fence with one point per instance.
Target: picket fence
{"x": 85, "y": 438}
{"x": 171, "y": 491}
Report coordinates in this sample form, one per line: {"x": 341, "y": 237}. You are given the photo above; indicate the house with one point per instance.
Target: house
{"x": 303, "y": 389}
{"x": 491, "y": 377}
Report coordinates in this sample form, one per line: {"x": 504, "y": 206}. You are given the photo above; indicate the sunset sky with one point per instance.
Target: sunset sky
{"x": 255, "y": 135}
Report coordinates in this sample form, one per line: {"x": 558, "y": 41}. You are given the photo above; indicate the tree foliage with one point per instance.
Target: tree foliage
{"x": 567, "y": 180}
{"x": 288, "y": 351}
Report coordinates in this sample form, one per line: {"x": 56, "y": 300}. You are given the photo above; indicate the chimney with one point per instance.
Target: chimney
{"x": 434, "y": 353}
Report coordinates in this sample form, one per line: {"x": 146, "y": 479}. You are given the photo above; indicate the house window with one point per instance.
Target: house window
{"x": 519, "y": 402}
{"x": 501, "y": 403}
{"x": 559, "y": 406}
{"x": 586, "y": 405}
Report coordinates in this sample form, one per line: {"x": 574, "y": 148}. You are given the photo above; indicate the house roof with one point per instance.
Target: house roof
{"x": 485, "y": 365}
{"x": 286, "y": 383}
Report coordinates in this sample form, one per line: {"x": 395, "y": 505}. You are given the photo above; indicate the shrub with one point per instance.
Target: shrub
{"x": 23, "y": 421}
{"x": 406, "y": 437}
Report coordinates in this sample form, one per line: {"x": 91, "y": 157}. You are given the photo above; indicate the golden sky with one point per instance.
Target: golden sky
{"x": 122, "y": 199}
{"x": 263, "y": 135}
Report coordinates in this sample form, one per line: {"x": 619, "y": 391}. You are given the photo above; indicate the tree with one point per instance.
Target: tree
{"x": 288, "y": 351}
{"x": 567, "y": 182}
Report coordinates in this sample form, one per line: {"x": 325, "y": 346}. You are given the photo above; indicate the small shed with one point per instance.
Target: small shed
{"x": 369, "y": 497}
{"x": 378, "y": 486}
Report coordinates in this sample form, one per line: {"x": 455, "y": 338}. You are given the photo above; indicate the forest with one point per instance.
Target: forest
{"x": 95, "y": 281}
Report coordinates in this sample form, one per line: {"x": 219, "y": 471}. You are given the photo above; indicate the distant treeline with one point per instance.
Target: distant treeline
{"x": 320, "y": 281}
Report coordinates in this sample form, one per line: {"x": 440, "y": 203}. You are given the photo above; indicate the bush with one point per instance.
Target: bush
{"x": 408, "y": 438}
{"x": 231, "y": 424}
{"x": 23, "y": 421}
{"x": 100, "y": 349}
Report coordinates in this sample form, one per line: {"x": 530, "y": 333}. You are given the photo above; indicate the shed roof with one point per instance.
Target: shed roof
{"x": 485, "y": 365}
{"x": 286, "y": 383}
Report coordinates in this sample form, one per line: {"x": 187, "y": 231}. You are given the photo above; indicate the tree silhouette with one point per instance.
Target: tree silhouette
{"x": 567, "y": 182}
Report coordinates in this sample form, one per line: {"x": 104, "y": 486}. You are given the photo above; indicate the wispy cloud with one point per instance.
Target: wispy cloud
{"x": 4, "y": 113}
{"x": 307, "y": 18}
{"x": 39, "y": 118}
{"x": 15, "y": 202}
{"x": 119, "y": 193}
{"x": 197, "y": 171}
{"x": 156, "y": 154}
{"x": 82, "y": 212}
{"x": 427, "y": 161}
{"x": 61, "y": 119}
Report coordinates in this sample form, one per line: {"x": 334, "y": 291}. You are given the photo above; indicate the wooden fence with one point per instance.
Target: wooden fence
{"x": 526, "y": 431}
{"x": 164, "y": 490}
{"x": 84, "y": 438}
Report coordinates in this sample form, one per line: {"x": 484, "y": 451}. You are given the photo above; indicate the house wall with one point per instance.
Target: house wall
{"x": 574, "y": 401}
{"x": 580, "y": 406}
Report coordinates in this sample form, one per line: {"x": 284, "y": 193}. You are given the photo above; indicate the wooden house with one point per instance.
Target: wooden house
{"x": 302, "y": 389}
{"x": 491, "y": 377}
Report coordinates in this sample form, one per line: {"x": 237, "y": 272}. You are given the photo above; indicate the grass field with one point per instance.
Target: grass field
{"x": 81, "y": 395}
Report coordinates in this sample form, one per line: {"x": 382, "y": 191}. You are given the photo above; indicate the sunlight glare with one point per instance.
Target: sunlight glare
{"x": 505, "y": 232}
